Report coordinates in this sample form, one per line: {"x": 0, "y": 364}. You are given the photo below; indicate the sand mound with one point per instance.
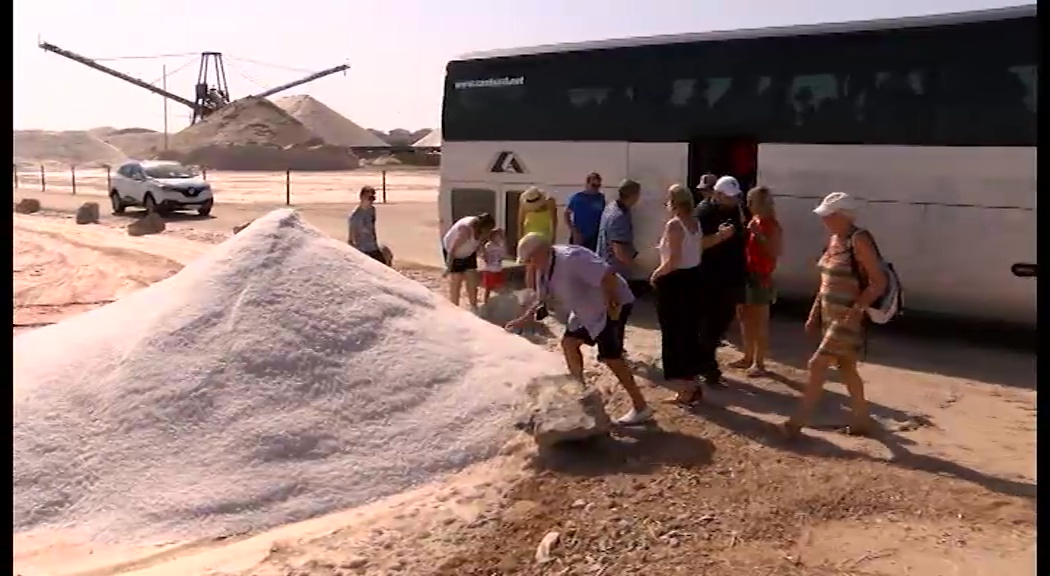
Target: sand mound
{"x": 77, "y": 147}
{"x": 328, "y": 124}
{"x": 279, "y": 376}
{"x": 254, "y": 134}
{"x": 137, "y": 143}
{"x": 431, "y": 140}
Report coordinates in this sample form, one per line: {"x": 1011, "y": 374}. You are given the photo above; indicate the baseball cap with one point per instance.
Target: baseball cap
{"x": 532, "y": 195}
{"x": 728, "y": 185}
{"x": 834, "y": 203}
{"x": 707, "y": 182}
{"x": 529, "y": 244}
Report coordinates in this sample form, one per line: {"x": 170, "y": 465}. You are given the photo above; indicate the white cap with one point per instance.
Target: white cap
{"x": 529, "y": 244}
{"x": 728, "y": 185}
{"x": 834, "y": 203}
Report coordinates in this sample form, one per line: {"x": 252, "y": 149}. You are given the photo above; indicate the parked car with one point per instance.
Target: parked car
{"x": 159, "y": 186}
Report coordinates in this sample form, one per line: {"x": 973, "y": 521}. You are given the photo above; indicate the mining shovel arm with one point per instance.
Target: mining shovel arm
{"x": 131, "y": 79}
{"x": 310, "y": 78}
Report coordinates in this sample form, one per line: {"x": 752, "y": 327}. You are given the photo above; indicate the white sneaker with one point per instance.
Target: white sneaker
{"x": 635, "y": 417}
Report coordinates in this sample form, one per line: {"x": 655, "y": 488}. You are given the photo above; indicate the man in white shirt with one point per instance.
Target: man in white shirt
{"x": 599, "y": 301}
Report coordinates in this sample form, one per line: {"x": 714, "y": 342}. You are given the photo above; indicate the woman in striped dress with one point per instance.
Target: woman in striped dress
{"x": 851, "y": 279}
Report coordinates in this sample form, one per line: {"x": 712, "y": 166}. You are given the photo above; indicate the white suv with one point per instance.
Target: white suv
{"x": 159, "y": 187}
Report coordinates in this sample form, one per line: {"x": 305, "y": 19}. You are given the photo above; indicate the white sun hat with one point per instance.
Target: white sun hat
{"x": 834, "y": 203}
{"x": 728, "y": 185}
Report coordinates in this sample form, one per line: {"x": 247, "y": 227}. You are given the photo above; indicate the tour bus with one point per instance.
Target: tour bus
{"x": 929, "y": 121}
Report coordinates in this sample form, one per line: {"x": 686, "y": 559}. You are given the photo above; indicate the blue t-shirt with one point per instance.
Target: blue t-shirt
{"x": 616, "y": 227}
{"x": 586, "y": 208}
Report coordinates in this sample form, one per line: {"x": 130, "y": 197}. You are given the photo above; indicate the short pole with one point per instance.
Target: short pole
{"x": 287, "y": 187}
{"x": 43, "y": 182}
{"x": 204, "y": 173}
{"x": 384, "y": 186}
{"x": 109, "y": 179}
{"x": 73, "y": 178}
{"x": 16, "y": 176}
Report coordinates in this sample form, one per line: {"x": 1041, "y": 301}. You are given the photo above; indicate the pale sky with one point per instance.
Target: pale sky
{"x": 397, "y": 50}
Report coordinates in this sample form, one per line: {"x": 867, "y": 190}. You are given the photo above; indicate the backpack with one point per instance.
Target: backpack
{"x": 891, "y": 303}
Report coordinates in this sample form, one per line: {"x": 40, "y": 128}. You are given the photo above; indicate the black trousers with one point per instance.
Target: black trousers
{"x": 679, "y": 315}
{"x": 718, "y": 302}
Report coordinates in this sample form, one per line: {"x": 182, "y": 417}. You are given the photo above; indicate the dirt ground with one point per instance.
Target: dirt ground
{"x": 947, "y": 486}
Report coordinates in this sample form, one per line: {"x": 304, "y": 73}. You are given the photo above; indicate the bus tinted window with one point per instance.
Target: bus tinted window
{"x": 911, "y": 86}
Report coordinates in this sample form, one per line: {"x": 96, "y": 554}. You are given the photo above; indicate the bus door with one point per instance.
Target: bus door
{"x": 733, "y": 156}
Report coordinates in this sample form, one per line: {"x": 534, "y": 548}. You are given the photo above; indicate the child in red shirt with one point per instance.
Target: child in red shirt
{"x": 491, "y": 256}
{"x": 764, "y": 245}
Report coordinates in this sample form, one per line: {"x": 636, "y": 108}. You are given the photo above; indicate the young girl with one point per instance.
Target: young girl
{"x": 536, "y": 213}
{"x": 492, "y": 254}
{"x": 764, "y": 245}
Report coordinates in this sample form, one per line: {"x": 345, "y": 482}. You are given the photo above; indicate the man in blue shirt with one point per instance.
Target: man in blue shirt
{"x": 584, "y": 212}
{"x": 616, "y": 231}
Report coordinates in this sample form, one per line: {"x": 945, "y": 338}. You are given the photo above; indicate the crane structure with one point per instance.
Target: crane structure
{"x": 211, "y": 91}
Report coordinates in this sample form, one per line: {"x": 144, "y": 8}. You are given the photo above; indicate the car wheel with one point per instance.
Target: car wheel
{"x": 150, "y": 204}
{"x": 205, "y": 208}
{"x": 118, "y": 204}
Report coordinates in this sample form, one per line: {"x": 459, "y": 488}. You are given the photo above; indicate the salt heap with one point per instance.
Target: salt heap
{"x": 280, "y": 376}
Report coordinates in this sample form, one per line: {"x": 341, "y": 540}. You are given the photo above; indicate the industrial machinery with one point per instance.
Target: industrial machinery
{"x": 210, "y": 92}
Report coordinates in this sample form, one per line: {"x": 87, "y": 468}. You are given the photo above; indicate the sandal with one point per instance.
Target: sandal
{"x": 864, "y": 430}
{"x": 740, "y": 364}
{"x": 689, "y": 397}
{"x": 789, "y": 429}
{"x": 756, "y": 372}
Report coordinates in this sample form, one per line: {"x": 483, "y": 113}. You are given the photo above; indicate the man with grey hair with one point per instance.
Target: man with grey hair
{"x": 599, "y": 303}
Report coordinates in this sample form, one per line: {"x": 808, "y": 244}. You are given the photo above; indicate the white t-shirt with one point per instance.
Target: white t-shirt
{"x": 461, "y": 227}
{"x": 492, "y": 254}
{"x": 691, "y": 247}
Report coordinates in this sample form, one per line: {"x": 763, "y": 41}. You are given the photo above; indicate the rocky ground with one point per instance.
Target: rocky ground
{"x": 947, "y": 486}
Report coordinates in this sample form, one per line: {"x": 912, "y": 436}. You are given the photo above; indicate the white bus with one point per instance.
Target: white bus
{"x": 930, "y": 120}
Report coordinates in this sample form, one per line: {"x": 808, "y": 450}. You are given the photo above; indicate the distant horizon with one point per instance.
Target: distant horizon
{"x": 397, "y": 53}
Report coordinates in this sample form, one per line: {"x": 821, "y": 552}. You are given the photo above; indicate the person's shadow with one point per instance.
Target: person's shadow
{"x": 761, "y": 400}
{"x": 628, "y": 450}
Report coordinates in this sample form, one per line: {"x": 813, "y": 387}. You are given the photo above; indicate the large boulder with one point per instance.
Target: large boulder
{"x": 561, "y": 409}
{"x": 27, "y": 206}
{"x": 151, "y": 223}
{"x": 88, "y": 213}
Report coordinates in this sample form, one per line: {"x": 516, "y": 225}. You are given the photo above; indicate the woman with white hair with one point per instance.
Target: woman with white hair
{"x": 851, "y": 279}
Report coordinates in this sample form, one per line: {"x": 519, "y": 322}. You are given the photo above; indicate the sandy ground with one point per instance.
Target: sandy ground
{"x": 946, "y": 488}
{"x": 408, "y": 222}
{"x": 402, "y": 185}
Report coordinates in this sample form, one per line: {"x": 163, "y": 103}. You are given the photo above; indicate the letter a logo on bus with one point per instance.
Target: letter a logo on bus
{"x": 508, "y": 162}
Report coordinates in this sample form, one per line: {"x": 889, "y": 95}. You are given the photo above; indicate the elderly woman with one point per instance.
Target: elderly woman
{"x": 677, "y": 282}
{"x": 460, "y": 250}
{"x": 851, "y": 279}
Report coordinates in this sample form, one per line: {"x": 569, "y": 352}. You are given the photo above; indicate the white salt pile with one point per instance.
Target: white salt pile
{"x": 280, "y": 376}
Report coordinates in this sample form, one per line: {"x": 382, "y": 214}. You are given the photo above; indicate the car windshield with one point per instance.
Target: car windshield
{"x": 169, "y": 171}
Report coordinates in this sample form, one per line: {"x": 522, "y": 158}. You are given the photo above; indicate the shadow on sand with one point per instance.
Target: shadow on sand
{"x": 947, "y": 352}
{"x": 760, "y": 400}
{"x": 636, "y": 450}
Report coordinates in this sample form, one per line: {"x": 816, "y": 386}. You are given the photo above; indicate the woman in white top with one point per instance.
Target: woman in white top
{"x": 677, "y": 282}
{"x": 460, "y": 250}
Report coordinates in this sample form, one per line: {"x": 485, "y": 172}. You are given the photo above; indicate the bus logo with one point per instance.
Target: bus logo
{"x": 507, "y": 162}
